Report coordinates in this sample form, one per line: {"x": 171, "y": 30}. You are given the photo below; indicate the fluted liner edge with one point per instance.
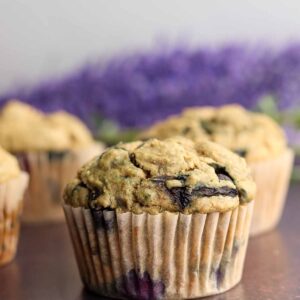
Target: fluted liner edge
{"x": 163, "y": 256}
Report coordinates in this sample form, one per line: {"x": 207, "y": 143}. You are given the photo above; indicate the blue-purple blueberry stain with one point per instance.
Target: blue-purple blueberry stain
{"x": 235, "y": 248}
{"x": 23, "y": 160}
{"x": 98, "y": 218}
{"x": 102, "y": 222}
{"x": 219, "y": 272}
{"x": 141, "y": 286}
{"x": 183, "y": 196}
{"x": 57, "y": 155}
{"x": 241, "y": 152}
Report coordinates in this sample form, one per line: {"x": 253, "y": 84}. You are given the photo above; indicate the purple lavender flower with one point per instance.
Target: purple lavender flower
{"x": 136, "y": 90}
{"x": 293, "y": 136}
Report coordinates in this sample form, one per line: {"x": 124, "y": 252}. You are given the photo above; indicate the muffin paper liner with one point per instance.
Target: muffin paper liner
{"x": 163, "y": 256}
{"x": 11, "y": 198}
{"x": 272, "y": 179}
{"x": 49, "y": 173}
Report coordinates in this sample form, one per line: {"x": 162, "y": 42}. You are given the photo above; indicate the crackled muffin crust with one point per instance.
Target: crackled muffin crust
{"x": 9, "y": 167}
{"x": 252, "y": 135}
{"x": 24, "y": 128}
{"x": 171, "y": 175}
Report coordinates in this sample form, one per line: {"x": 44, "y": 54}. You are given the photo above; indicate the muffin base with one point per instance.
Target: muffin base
{"x": 49, "y": 173}
{"x": 11, "y": 196}
{"x": 164, "y": 256}
{"x": 272, "y": 179}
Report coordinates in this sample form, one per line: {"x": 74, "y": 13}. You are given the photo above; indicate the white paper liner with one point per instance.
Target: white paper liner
{"x": 272, "y": 179}
{"x": 48, "y": 177}
{"x": 11, "y": 198}
{"x": 164, "y": 256}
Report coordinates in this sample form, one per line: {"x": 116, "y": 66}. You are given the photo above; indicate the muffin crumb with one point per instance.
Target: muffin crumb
{"x": 173, "y": 175}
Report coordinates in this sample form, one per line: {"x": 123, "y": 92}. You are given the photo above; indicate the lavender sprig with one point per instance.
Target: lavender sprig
{"x": 135, "y": 90}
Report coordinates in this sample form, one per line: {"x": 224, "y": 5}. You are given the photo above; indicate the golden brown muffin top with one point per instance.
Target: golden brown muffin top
{"x": 170, "y": 175}
{"x": 24, "y": 128}
{"x": 9, "y": 167}
{"x": 252, "y": 135}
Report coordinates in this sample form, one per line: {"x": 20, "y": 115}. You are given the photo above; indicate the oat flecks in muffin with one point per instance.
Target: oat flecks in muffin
{"x": 24, "y": 128}
{"x": 169, "y": 175}
{"x": 252, "y": 135}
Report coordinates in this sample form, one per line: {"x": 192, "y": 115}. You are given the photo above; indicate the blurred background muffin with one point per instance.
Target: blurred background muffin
{"x": 254, "y": 136}
{"x": 13, "y": 183}
{"x": 161, "y": 219}
{"x": 50, "y": 147}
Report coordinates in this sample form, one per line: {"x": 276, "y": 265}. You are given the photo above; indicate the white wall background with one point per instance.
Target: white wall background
{"x": 39, "y": 38}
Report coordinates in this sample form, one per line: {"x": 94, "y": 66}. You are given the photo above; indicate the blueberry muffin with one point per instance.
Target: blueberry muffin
{"x": 254, "y": 136}
{"x": 50, "y": 147}
{"x": 161, "y": 219}
{"x": 13, "y": 183}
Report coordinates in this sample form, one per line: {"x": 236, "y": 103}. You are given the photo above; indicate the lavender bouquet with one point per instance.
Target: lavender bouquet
{"x": 135, "y": 90}
{"x": 128, "y": 92}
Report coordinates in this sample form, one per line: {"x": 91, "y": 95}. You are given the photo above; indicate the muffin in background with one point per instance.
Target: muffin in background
{"x": 161, "y": 219}
{"x": 254, "y": 136}
{"x": 13, "y": 183}
{"x": 50, "y": 147}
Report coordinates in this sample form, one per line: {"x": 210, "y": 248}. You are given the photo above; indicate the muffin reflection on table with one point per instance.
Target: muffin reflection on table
{"x": 13, "y": 183}
{"x": 161, "y": 219}
{"x": 254, "y": 136}
{"x": 50, "y": 147}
